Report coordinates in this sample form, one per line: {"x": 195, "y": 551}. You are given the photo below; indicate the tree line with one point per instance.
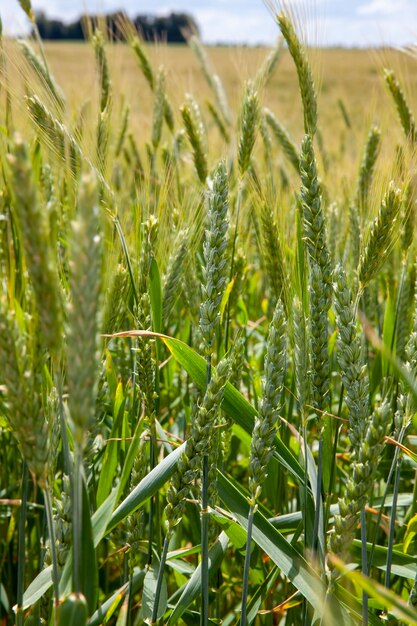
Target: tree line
{"x": 172, "y": 28}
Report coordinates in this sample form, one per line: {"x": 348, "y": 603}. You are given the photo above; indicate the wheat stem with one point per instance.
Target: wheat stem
{"x": 205, "y": 519}
{"x": 21, "y": 545}
{"x": 160, "y": 578}
{"x": 52, "y": 544}
{"x": 77, "y": 512}
{"x": 365, "y": 616}
{"x": 245, "y": 585}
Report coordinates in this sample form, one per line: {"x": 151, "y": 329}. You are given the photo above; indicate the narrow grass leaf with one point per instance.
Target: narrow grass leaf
{"x": 107, "y": 609}
{"x": 37, "y": 588}
{"x": 260, "y": 594}
{"x": 148, "y": 596}
{"x": 397, "y": 366}
{"x": 89, "y": 571}
{"x": 130, "y": 460}
{"x": 101, "y": 517}
{"x": 192, "y": 588}
{"x": 111, "y": 453}
{"x": 270, "y": 540}
{"x": 123, "y": 614}
{"x": 403, "y": 564}
{"x": 234, "y": 403}
{"x": 155, "y": 292}
{"x": 147, "y": 487}
{"x": 3, "y": 598}
{"x": 388, "y": 599}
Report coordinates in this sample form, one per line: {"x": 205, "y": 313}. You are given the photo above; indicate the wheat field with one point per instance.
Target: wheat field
{"x": 208, "y": 333}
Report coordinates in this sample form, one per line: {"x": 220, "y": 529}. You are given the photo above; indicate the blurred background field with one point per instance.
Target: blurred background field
{"x": 353, "y": 76}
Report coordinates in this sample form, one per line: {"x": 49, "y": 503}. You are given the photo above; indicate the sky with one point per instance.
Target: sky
{"x": 325, "y": 22}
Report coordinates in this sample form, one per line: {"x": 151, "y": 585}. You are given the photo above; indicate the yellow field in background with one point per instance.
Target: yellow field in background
{"x": 355, "y": 76}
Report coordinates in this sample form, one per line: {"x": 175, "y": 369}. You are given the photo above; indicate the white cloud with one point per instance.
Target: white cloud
{"x": 14, "y": 20}
{"x": 70, "y": 9}
{"x": 386, "y": 22}
{"x": 369, "y": 33}
{"x": 224, "y": 25}
{"x": 384, "y": 7}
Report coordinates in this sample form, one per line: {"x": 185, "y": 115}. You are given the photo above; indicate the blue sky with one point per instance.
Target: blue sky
{"x": 329, "y": 22}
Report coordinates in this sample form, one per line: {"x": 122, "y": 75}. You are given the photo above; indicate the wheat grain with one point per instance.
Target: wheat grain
{"x": 215, "y": 261}
{"x": 196, "y": 133}
{"x": 380, "y": 238}
{"x": 305, "y": 77}
{"x": 83, "y": 311}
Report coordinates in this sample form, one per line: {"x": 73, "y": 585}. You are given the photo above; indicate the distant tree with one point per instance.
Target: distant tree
{"x": 50, "y": 29}
{"x": 172, "y": 28}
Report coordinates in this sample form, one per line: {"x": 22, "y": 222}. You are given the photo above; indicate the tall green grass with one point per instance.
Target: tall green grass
{"x": 208, "y": 356}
